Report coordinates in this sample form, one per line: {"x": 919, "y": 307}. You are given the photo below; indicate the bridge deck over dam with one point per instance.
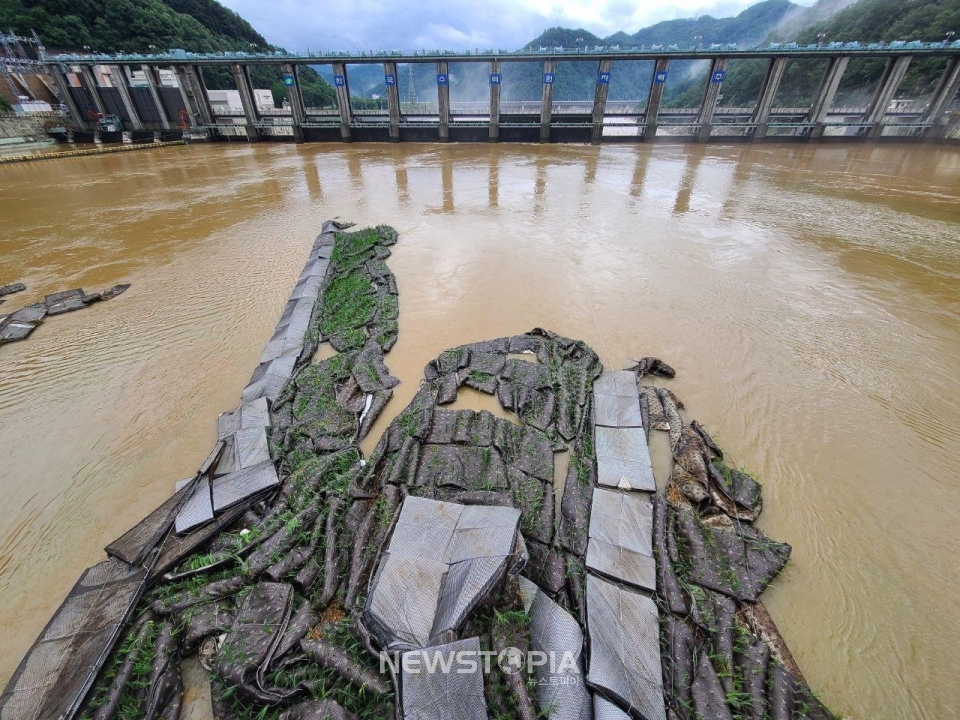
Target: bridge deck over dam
{"x": 98, "y": 87}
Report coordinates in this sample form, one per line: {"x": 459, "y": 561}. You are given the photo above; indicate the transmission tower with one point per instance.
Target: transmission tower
{"x": 14, "y": 60}
{"x": 411, "y": 89}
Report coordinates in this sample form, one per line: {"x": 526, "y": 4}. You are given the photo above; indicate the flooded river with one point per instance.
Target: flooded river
{"x": 808, "y": 297}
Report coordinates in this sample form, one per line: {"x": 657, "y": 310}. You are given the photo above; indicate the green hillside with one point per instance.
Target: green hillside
{"x": 750, "y": 26}
{"x": 864, "y": 21}
{"x": 889, "y": 20}
{"x": 140, "y": 25}
{"x": 631, "y": 80}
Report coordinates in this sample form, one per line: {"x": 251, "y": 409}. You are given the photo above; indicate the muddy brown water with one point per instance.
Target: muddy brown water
{"x": 808, "y": 297}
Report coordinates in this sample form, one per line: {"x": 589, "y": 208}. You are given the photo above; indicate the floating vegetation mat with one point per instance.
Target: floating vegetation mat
{"x": 311, "y": 582}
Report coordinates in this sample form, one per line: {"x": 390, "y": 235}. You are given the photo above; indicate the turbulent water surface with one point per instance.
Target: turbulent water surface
{"x": 808, "y": 297}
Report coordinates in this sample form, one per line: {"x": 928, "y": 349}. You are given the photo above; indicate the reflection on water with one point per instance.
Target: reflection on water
{"x": 808, "y": 298}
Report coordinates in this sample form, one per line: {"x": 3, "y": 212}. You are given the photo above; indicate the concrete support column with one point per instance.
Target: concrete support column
{"x": 887, "y": 87}
{"x": 768, "y": 91}
{"x": 657, "y": 82}
{"x": 546, "y": 103}
{"x": 185, "y": 93}
{"x": 393, "y": 99}
{"x": 343, "y": 100}
{"x": 63, "y": 89}
{"x": 241, "y": 78}
{"x": 150, "y": 73}
{"x": 198, "y": 88}
{"x": 600, "y": 99}
{"x": 825, "y": 94}
{"x": 93, "y": 88}
{"x": 946, "y": 90}
{"x": 443, "y": 98}
{"x": 496, "y": 80}
{"x": 718, "y": 70}
{"x": 119, "y": 76}
{"x": 295, "y": 99}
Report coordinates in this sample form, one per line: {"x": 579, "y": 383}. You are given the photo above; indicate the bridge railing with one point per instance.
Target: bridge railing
{"x": 322, "y": 57}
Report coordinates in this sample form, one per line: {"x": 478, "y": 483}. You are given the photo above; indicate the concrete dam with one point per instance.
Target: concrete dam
{"x": 101, "y": 100}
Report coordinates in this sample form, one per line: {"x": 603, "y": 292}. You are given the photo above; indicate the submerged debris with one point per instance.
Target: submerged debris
{"x": 11, "y": 288}
{"x": 18, "y": 325}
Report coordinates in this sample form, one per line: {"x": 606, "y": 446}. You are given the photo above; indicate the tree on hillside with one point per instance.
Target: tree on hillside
{"x": 141, "y": 25}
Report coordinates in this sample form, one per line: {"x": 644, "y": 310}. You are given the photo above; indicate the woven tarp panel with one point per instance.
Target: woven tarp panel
{"x": 616, "y": 402}
{"x": 441, "y": 561}
{"x": 443, "y": 695}
{"x": 621, "y": 538}
{"x": 404, "y": 609}
{"x": 231, "y": 489}
{"x": 269, "y": 378}
{"x": 622, "y": 519}
{"x": 618, "y": 382}
{"x": 622, "y": 564}
{"x": 59, "y": 668}
{"x": 623, "y": 459}
{"x": 135, "y": 544}
{"x": 603, "y": 709}
{"x": 253, "y": 414}
{"x": 561, "y": 691}
{"x": 625, "y": 649}
{"x": 197, "y": 510}
{"x": 617, "y": 411}
{"x": 251, "y": 447}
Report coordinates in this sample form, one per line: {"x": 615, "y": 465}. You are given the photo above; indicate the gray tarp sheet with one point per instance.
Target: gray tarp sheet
{"x": 561, "y": 691}
{"x": 443, "y": 695}
{"x": 606, "y": 710}
{"x": 616, "y": 402}
{"x": 625, "y": 649}
{"x": 441, "y": 561}
{"x": 197, "y": 510}
{"x": 58, "y": 670}
{"x": 231, "y": 489}
{"x": 623, "y": 459}
{"x": 621, "y": 538}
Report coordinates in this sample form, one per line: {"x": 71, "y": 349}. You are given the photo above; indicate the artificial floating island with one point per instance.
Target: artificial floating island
{"x": 311, "y": 582}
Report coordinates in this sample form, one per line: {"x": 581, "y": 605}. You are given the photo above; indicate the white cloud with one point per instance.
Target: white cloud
{"x": 454, "y": 24}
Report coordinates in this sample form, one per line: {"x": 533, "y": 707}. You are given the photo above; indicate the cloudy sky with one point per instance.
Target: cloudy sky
{"x": 299, "y": 25}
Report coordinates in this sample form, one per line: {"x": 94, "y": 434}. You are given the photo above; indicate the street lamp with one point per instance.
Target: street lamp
{"x": 820, "y": 39}
{"x": 698, "y": 38}
{"x": 579, "y": 41}
{"x": 950, "y": 34}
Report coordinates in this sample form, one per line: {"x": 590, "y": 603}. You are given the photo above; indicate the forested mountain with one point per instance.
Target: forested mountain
{"x": 130, "y": 25}
{"x": 863, "y": 21}
{"x": 886, "y": 20}
{"x": 752, "y": 25}
{"x": 832, "y": 20}
{"x": 140, "y": 25}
